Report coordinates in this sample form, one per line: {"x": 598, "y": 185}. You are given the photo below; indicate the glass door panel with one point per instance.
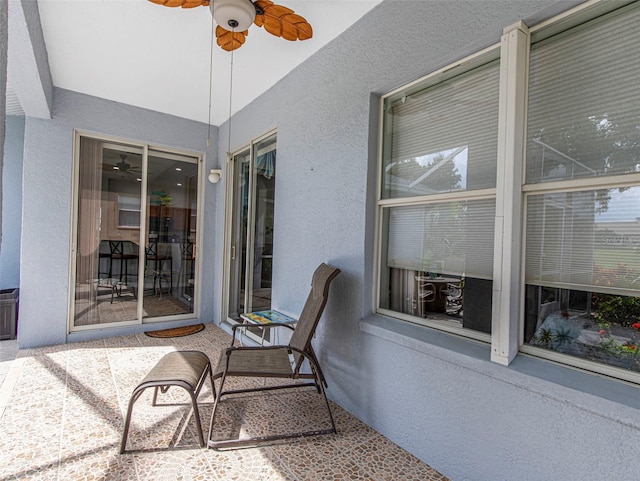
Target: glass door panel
{"x": 170, "y": 245}
{"x": 252, "y": 221}
{"x": 108, "y": 233}
{"x": 122, "y": 276}
{"x": 240, "y": 214}
{"x": 262, "y": 239}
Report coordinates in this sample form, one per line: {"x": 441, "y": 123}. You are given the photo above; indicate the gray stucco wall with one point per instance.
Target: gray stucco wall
{"x": 443, "y": 401}
{"x": 11, "y": 203}
{"x": 47, "y": 198}
{"x": 4, "y": 32}
{"x": 437, "y": 396}
{"x": 29, "y": 74}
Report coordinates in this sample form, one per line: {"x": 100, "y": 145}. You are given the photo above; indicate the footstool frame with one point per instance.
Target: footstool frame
{"x": 185, "y": 369}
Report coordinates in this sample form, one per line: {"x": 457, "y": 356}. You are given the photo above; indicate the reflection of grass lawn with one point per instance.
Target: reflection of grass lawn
{"x": 612, "y": 257}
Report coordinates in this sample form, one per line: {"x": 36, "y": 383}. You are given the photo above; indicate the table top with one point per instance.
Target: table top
{"x": 438, "y": 279}
{"x": 267, "y": 317}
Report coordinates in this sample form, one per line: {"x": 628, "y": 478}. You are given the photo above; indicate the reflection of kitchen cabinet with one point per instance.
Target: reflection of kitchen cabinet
{"x": 169, "y": 223}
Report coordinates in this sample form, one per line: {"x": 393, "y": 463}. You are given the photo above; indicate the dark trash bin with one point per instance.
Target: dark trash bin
{"x": 8, "y": 313}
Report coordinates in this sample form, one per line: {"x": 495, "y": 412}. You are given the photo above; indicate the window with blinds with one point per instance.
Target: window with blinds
{"x": 582, "y": 241}
{"x": 437, "y": 255}
{"x": 443, "y": 138}
{"x": 456, "y": 236}
{"x": 128, "y": 211}
{"x": 441, "y": 197}
{"x": 583, "y": 111}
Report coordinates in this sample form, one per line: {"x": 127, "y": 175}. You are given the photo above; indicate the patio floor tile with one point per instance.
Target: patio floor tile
{"x": 62, "y": 413}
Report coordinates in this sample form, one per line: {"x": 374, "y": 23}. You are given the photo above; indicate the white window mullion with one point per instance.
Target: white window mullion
{"x": 505, "y": 330}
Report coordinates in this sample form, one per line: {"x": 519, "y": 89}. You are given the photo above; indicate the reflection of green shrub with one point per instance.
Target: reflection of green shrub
{"x": 563, "y": 336}
{"x": 620, "y": 310}
{"x": 553, "y": 340}
{"x": 544, "y": 337}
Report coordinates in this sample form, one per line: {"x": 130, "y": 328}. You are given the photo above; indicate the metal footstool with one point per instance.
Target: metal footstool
{"x": 186, "y": 369}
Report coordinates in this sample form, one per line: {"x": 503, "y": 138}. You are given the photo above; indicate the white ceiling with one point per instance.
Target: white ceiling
{"x": 143, "y": 54}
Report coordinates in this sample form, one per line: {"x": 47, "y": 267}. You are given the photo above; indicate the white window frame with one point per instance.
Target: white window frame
{"x": 465, "y": 64}
{"x": 507, "y": 330}
{"x": 124, "y": 200}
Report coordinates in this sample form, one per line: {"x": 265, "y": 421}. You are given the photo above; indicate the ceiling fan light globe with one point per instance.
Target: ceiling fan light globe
{"x": 235, "y": 15}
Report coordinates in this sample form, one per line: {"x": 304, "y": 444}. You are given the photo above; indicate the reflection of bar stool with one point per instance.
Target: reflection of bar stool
{"x": 453, "y": 298}
{"x": 117, "y": 249}
{"x": 114, "y": 286}
{"x": 187, "y": 251}
{"x": 159, "y": 258}
{"x": 104, "y": 253}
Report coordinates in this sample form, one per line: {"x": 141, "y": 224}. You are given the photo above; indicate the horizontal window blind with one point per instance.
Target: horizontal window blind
{"x": 573, "y": 244}
{"x": 454, "y": 238}
{"x": 583, "y": 113}
{"x": 456, "y": 120}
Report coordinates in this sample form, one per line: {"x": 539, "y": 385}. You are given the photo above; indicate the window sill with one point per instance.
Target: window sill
{"x": 591, "y": 392}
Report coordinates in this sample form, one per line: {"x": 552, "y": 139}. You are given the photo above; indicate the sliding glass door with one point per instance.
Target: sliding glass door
{"x": 251, "y": 228}
{"x": 135, "y": 236}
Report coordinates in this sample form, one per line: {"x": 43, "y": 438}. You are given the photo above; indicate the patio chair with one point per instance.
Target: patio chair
{"x": 278, "y": 361}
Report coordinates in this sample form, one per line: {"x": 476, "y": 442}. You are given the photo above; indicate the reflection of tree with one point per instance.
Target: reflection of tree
{"x": 444, "y": 177}
{"x": 596, "y": 145}
{"x": 445, "y": 233}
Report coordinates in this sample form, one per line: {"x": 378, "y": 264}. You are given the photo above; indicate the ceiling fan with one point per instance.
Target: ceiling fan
{"x": 234, "y": 17}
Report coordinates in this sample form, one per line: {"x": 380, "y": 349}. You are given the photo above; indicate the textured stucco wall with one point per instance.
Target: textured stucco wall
{"x": 47, "y": 198}
{"x": 29, "y": 64}
{"x": 4, "y": 32}
{"x": 437, "y": 396}
{"x": 468, "y": 417}
{"x": 11, "y": 203}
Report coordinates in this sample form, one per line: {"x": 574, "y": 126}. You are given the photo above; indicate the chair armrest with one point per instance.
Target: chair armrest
{"x": 231, "y": 349}
{"x": 245, "y": 325}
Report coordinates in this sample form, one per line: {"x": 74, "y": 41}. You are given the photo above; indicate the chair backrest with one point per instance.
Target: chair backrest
{"x": 186, "y": 249}
{"x": 116, "y": 247}
{"x": 152, "y": 249}
{"x": 312, "y": 311}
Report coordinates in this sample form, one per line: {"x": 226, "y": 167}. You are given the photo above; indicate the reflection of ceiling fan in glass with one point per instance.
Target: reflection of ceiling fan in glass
{"x": 122, "y": 166}
{"x": 234, "y": 17}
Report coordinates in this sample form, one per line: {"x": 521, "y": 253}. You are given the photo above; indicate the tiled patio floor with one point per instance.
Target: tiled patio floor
{"x": 62, "y": 410}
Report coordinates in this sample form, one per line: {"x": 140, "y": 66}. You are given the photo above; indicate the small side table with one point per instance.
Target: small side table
{"x": 263, "y": 318}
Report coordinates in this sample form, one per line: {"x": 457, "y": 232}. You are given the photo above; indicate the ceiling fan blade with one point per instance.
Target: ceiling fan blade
{"x": 282, "y": 21}
{"x": 230, "y": 40}
{"x": 182, "y": 3}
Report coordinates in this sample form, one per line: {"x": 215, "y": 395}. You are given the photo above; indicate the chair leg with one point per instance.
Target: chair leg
{"x": 196, "y": 415}
{"x": 134, "y": 397}
{"x": 216, "y": 400}
{"x": 163, "y": 388}
{"x": 318, "y": 383}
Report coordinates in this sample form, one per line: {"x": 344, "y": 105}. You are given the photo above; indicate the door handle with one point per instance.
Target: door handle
{"x": 233, "y": 252}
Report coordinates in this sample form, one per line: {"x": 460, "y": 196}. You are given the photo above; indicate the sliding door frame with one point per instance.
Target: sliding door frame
{"x": 230, "y": 196}
{"x": 144, "y": 148}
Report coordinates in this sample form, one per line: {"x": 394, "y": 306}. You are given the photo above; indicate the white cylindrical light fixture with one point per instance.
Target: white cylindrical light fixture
{"x": 215, "y": 175}
{"x": 235, "y": 15}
